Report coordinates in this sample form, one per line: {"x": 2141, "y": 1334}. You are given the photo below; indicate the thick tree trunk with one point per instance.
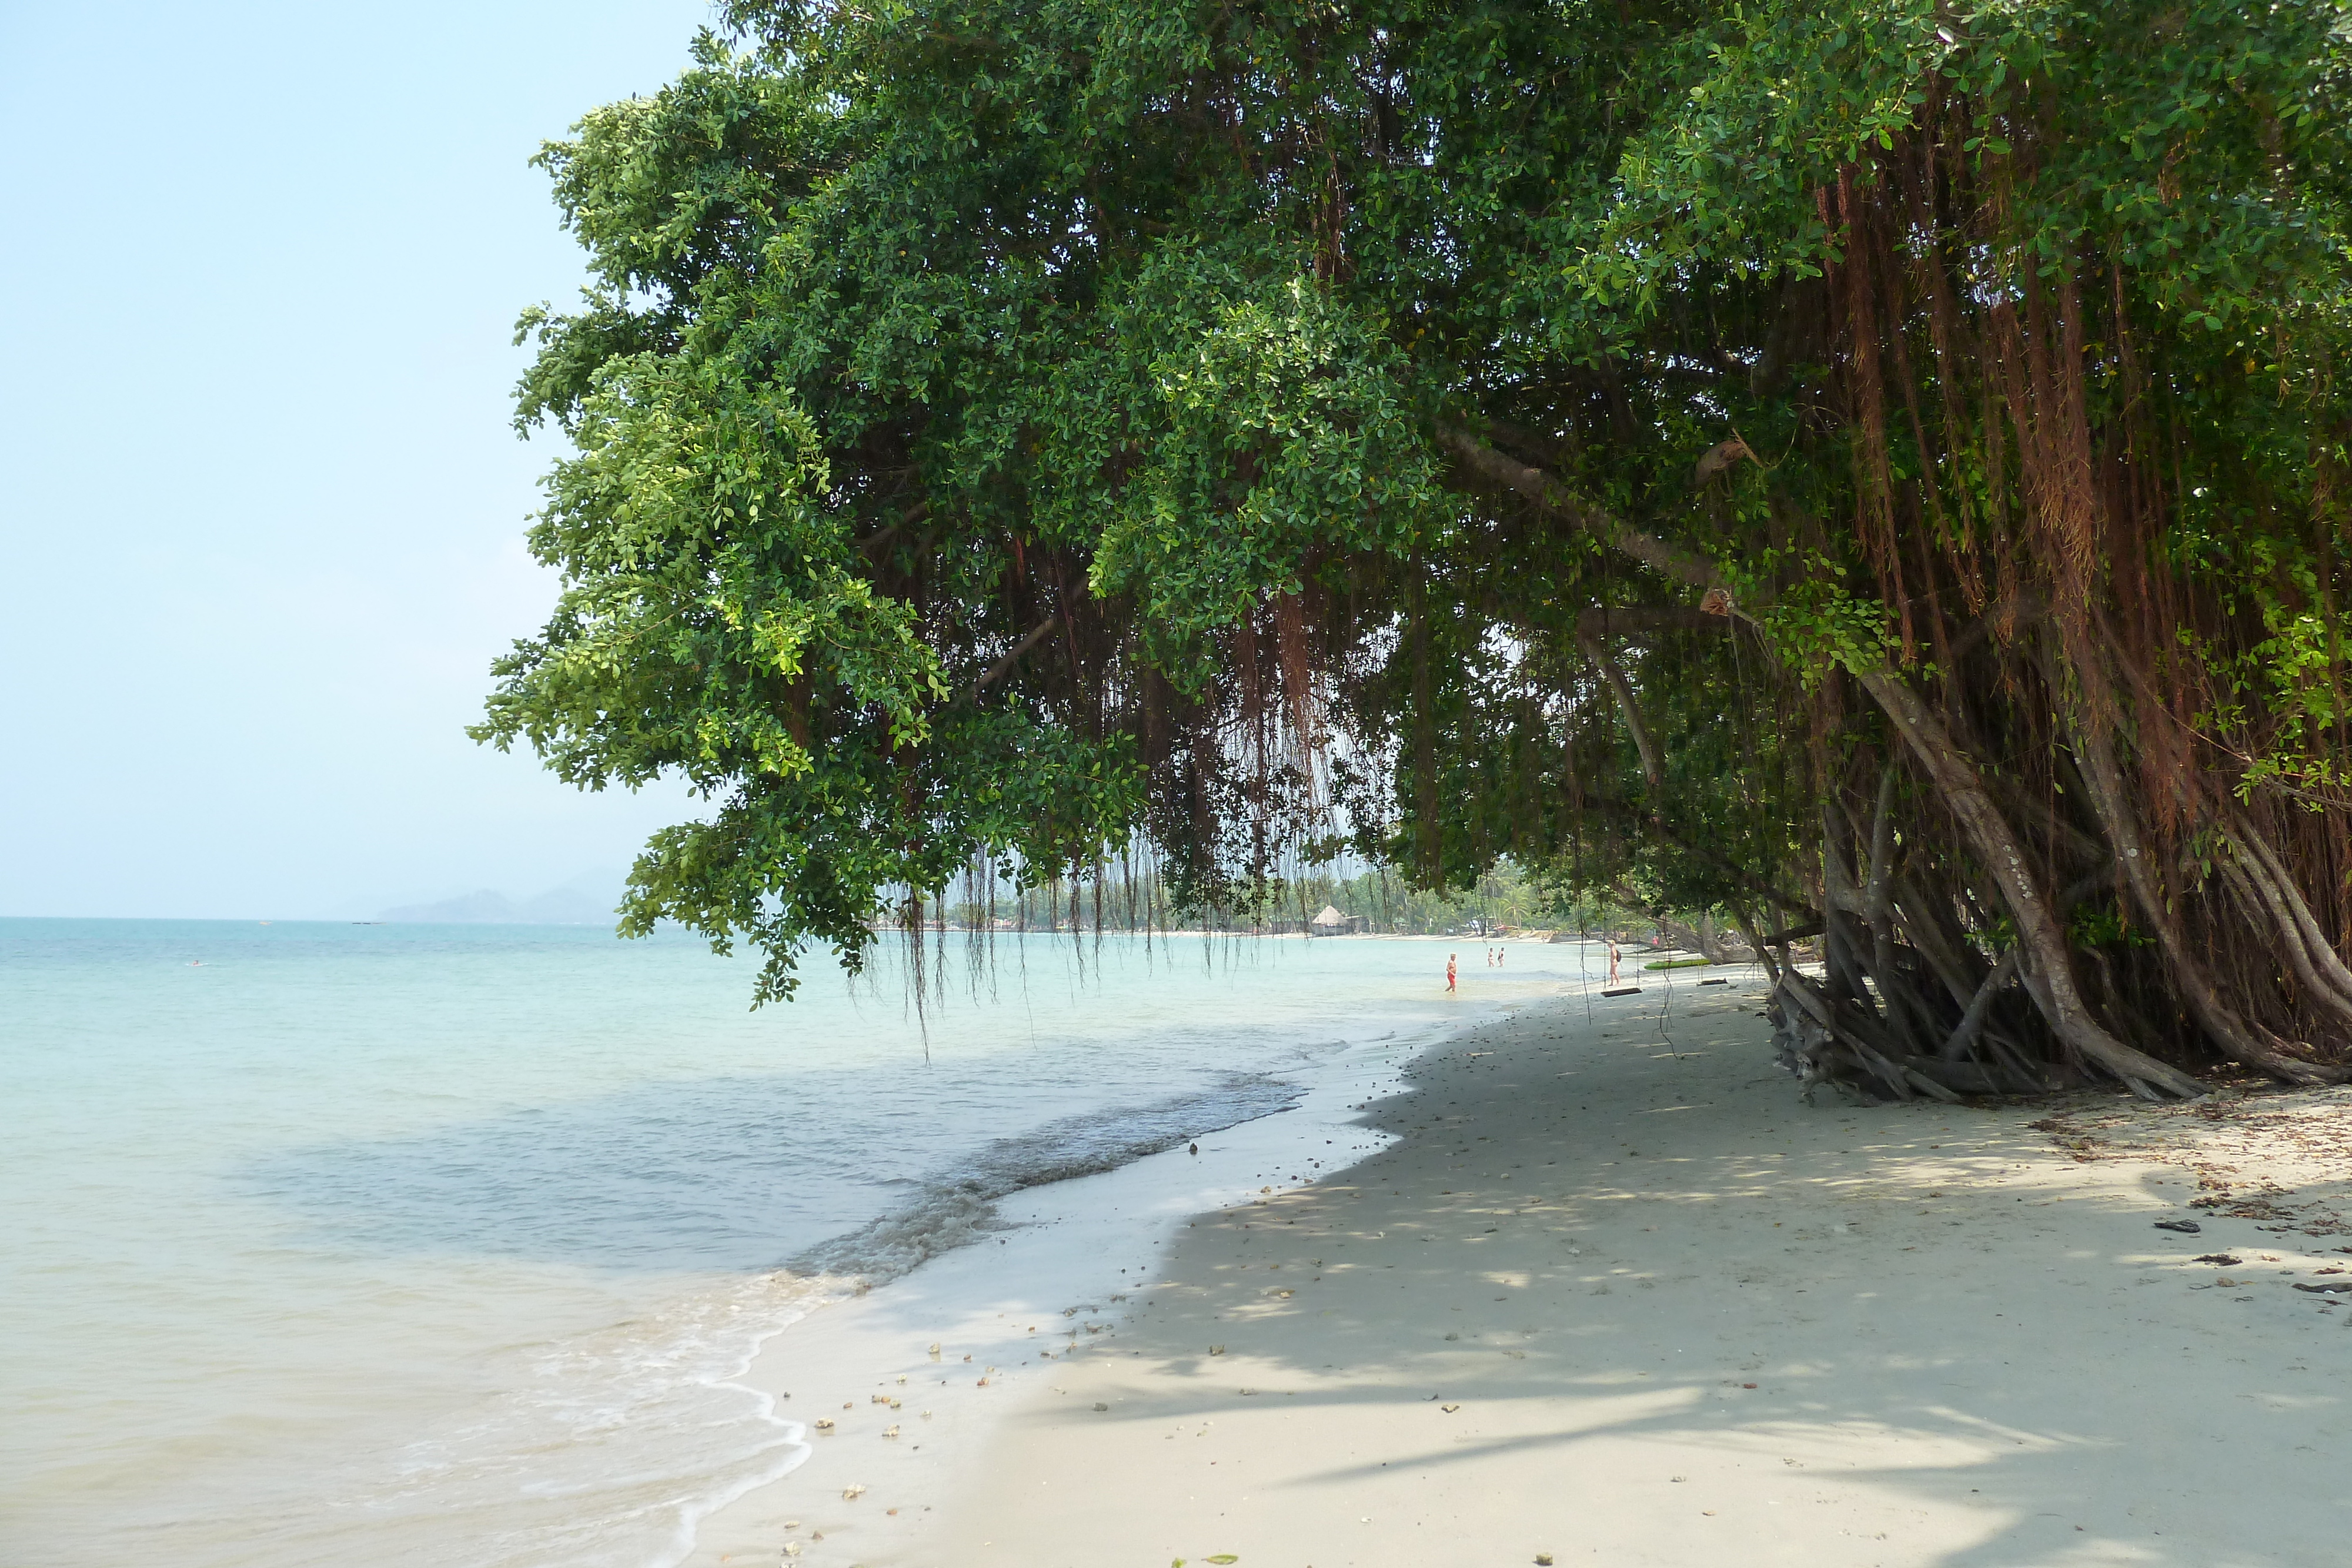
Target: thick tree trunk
{"x": 2232, "y": 1035}
{"x": 1816, "y": 1032}
{"x": 2308, "y": 952}
{"x": 2048, "y": 966}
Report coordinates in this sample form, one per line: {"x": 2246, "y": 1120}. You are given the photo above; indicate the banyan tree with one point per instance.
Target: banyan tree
{"x": 1873, "y": 471}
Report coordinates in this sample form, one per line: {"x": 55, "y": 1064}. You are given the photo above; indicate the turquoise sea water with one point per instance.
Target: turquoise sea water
{"x": 440, "y": 1245}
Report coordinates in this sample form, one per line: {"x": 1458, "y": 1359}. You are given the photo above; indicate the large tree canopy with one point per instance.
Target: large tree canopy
{"x": 1872, "y": 467}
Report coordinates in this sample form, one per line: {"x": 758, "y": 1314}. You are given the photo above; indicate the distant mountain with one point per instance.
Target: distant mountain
{"x": 483, "y": 906}
{"x": 573, "y": 904}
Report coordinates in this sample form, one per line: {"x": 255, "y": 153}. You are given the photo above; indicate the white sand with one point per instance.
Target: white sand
{"x": 1615, "y": 1296}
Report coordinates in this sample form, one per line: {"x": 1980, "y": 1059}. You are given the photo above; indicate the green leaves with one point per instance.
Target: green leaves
{"x": 1002, "y": 434}
{"x": 1279, "y": 425}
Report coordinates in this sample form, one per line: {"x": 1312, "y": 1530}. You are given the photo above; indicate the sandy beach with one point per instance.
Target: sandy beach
{"x": 1600, "y": 1288}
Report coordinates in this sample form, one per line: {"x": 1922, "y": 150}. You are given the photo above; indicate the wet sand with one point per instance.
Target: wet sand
{"x": 1614, "y": 1295}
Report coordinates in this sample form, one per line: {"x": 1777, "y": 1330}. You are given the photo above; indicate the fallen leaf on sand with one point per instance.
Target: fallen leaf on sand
{"x": 1224, "y": 1557}
{"x": 890, "y": 1431}
{"x": 1543, "y": 1560}
{"x": 851, "y": 1492}
{"x": 824, "y": 1424}
{"x": 1449, "y": 1409}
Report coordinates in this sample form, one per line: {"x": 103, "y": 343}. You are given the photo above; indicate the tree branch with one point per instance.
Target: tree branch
{"x": 1492, "y": 467}
{"x": 1591, "y": 648}
{"x": 1003, "y": 666}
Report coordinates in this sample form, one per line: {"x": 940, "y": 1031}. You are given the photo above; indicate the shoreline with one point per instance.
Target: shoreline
{"x": 1067, "y": 1257}
{"x": 1676, "y": 1318}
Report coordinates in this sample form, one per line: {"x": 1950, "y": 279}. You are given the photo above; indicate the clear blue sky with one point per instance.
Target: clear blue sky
{"x": 260, "y": 506}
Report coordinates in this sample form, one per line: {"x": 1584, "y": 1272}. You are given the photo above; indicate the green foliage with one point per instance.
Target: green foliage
{"x": 1004, "y": 432}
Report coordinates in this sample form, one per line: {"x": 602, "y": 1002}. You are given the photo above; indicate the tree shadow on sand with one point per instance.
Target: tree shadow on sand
{"x": 1739, "y": 1308}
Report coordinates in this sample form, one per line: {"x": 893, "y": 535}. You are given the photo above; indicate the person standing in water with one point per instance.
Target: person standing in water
{"x": 1449, "y": 974}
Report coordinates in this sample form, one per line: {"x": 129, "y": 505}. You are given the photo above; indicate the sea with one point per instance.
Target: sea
{"x": 443, "y": 1245}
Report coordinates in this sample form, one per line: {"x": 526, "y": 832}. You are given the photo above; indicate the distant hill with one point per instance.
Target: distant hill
{"x": 571, "y": 905}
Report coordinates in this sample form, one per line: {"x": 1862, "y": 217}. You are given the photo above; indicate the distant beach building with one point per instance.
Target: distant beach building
{"x": 1331, "y": 923}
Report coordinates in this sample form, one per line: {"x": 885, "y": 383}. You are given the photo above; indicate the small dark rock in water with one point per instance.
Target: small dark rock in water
{"x": 2224, "y": 1258}
{"x": 1196, "y": 1148}
{"x": 2331, "y": 1289}
{"x": 2186, "y": 1226}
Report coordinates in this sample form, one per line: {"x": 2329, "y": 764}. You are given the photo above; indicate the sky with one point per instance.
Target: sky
{"x": 261, "y": 504}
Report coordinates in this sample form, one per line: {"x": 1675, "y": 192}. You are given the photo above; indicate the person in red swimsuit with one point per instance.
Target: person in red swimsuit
{"x": 1449, "y": 973}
